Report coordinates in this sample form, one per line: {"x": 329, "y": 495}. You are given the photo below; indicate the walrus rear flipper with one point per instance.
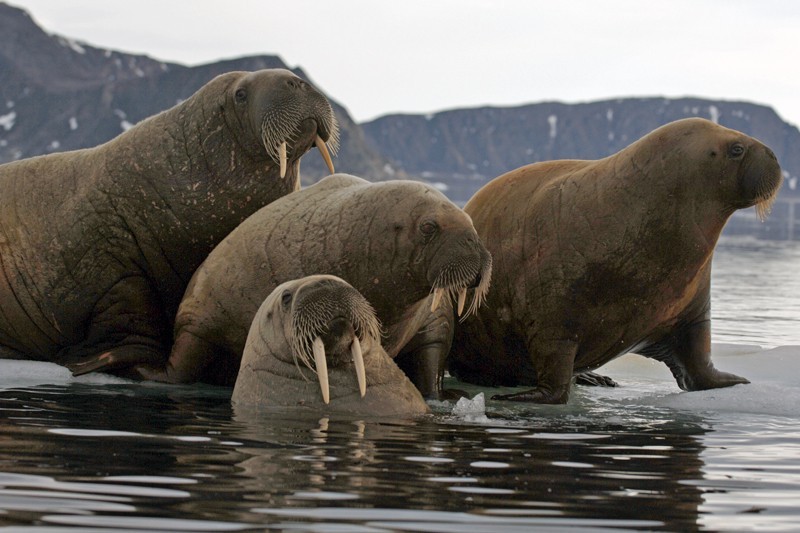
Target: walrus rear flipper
{"x": 687, "y": 353}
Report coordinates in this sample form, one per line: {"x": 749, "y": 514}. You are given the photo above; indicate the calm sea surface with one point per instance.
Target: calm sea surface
{"x": 100, "y": 454}
{"x": 755, "y": 292}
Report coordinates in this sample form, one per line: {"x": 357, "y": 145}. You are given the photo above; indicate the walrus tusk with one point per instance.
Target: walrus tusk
{"x": 322, "y": 369}
{"x": 358, "y": 361}
{"x": 462, "y": 299}
{"x": 282, "y": 158}
{"x": 437, "y": 297}
{"x": 325, "y": 154}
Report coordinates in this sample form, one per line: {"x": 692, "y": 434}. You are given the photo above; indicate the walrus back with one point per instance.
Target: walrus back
{"x": 517, "y": 189}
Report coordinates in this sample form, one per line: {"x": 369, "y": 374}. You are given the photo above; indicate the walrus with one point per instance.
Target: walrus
{"x": 402, "y": 244}
{"x": 321, "y": 326}
{"x": 594, "y": 259}
{"x": 97, "y": 245}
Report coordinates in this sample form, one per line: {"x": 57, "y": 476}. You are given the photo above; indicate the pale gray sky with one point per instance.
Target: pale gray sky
{"x": 377, "y": 57}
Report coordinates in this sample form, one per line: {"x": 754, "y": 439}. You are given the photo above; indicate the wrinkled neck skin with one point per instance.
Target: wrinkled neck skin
{"x": 645, "y": 212}
{"x": 163, "y": 201}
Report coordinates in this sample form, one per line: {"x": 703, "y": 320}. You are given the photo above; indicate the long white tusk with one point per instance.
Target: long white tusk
{"x": 325, "y": 154}
{"x": 282, "y": 158}
{"x": 358, "y": 361}
{"x": 437, "y": 297}
{"x": 322, "y": 369}
{"x": 462, "y": 299}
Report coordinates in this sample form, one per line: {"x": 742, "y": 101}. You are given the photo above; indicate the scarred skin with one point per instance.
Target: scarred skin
{"x": 391, "y": 241}
{"x": 272, "y": 374}
{"x": 594, "y": 259}
{"x": 97, "y": 245}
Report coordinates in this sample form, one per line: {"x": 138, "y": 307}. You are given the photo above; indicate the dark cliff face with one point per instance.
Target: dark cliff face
{"x": 479, "y": 144}
{"x": 57, "y": 94}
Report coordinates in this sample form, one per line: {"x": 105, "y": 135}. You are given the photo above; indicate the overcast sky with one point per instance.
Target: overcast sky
{"x": 377, "y": 57}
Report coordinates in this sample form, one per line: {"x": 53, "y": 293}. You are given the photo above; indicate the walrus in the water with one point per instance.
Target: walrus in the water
{"x": 402, "y": 244}
{"x": 321, "y": 326}
{"x": 97, "y": 245}
{"x": 594, "y": 259}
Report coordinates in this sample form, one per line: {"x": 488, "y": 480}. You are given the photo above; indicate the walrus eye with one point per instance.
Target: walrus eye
{"x": 736, "y": 150}
{"x": 241, "y": 95}
{"x": 286, "y": 299}
{"x": 428, "y": 228}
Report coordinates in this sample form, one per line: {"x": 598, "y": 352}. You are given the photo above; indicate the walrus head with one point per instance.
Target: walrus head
{"x": 730, "y": 167}
{"x": 451, "y": 252}
{"x": 329, "y": 321}
{"x": 287, "y": 115}
{"x": 322, "y": 324}
{"x": 759, "y": 175}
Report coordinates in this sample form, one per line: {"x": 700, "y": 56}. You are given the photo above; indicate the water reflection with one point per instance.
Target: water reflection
{"x": 606, "y": 475}
{"x": 132, "y": 457}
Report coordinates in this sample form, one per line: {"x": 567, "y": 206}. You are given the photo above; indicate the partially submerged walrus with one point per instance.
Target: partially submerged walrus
{"x": 402, "y": 244}
{"x": 320, "y": 326}
{"x": 594, "y": 259}
{"x": 99, "y": 244}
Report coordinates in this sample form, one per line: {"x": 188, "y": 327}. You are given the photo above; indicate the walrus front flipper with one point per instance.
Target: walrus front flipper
{"x": 593, "y": 379}
{"x": 120, "y": 361}
{"x": 127, "y": 327}
{"x": 189, "y": 362}
{"x": 423, "y": 357}
{"x": 687, "y": 353}
{"x": 554, "y": 365}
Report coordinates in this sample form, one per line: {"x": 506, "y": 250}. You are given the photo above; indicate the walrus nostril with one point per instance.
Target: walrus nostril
{"x": 337, "y": 339}
{"x": 296, "y": 83}
{"x": 476, "y": 281}
{"x": 340, "y": 326}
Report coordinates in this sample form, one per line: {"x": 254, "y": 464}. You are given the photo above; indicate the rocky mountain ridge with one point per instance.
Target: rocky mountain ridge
{"x": 475, "y": 145}
{"x": 57, "y": 94}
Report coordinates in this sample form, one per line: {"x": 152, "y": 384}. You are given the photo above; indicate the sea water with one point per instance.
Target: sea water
{"x": 97, "y": 453}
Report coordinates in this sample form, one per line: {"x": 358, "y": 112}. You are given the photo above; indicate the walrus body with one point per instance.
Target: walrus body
{"x": 320, "y": 326}
{"x": 97, "y": 245}
{"x": 395, "y": 242}
{"x": 594, "y": 259}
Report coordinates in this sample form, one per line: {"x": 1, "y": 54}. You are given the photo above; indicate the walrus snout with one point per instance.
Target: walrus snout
{"x": 470, "y": 268}
{"x": 337, "y": 339}
{"x": 330, "y": 319}
{"x": 760, "y": 179}
{"x": 293, "y": 116}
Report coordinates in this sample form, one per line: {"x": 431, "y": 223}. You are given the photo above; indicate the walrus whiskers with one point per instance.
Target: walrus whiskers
{"x": 452, "y": 281}
{"x": 308, "y": 326}
{"x": 481, "y": 291}
{"x": 278, "y": 132}
{"x": 764, "y": 207}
